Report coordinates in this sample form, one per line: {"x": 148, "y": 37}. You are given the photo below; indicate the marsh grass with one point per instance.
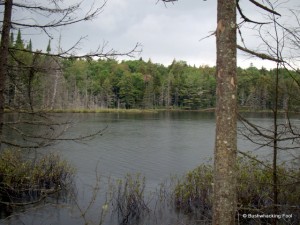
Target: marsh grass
{"x": 192, "y": 193}
{"x": 104, "y": 110}
{"x": 129, "y": 200}
{"x": 180, "y": 200}
{"x": 255, "y": 191}
{"x": 25, "y": 180}
{"x": 188, "y": 199}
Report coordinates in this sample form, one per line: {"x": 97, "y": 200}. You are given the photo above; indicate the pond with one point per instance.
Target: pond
{"x": 156, "y": 145}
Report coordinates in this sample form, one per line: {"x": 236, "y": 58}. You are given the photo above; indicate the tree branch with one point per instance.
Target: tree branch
{"x": 260, "y": 55}
{"x": 46, "y": 9}
{"x": 264, "y": 7}
{"x": 246, "y": 19}
{"x": 98, "y": 53}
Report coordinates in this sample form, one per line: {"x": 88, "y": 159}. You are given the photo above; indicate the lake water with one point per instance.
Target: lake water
{"x": 156, "y": 145}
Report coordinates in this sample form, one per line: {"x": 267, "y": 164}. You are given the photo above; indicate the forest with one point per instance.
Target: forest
{"x": 54, "y": 83}
{"x": 36, "y": 82}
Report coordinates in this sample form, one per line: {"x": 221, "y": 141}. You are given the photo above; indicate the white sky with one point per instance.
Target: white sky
{"x": 165, "y": 32}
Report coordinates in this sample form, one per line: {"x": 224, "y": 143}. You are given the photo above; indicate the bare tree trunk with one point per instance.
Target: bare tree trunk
{"x": 4, "y": 57}
{"x": 275, "y": 147}
{"x": 57, "y": 74}
{"x": 224, "y": 202}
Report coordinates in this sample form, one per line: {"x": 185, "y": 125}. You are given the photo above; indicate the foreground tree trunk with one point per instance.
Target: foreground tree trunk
{"x": 4, "y": 44}
{"x": 224, "y": 202}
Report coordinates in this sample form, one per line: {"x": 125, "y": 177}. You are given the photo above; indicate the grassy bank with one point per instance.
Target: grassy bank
{"x": 111, "y": 110}
{"x": 100, "y": 110}
{"x": 137, "y": 110}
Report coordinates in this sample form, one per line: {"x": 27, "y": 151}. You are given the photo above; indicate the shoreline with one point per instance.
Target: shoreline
{"x": 137, "y": 110}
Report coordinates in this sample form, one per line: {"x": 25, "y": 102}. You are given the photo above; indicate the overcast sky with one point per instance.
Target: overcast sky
{"x": 166, "y": 32}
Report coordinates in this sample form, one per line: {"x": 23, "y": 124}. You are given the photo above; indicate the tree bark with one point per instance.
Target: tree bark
{"x": 4, "y": 57}
{"x": 225, "y": 200}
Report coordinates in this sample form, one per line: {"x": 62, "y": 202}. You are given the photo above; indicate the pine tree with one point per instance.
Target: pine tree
{"x": 19, "y": 42}
{"x": 29, "y": 46}
{"x": 49, "y": 47}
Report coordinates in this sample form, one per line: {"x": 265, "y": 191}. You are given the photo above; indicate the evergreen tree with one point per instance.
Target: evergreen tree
{"x": 29, "y": 46}
{"x": 49, "y": 47}
{"x": 19, "y": 42}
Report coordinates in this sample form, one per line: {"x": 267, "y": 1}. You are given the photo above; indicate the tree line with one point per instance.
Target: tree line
{"x": 46, "y": 82}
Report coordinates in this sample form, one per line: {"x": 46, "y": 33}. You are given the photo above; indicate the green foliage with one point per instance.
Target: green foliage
{"x": 29, "y": 46}
{"x": 131, "y": 87}
{"x": 255, "y": 189}
{"x": 193, "y": 193}
{"x": 93, "y": 84}
{"x": 19, "y": 42}
{"x": 23, "y": 179}
{"x": 23, "y": 86}
{"x": 139, "y": 84}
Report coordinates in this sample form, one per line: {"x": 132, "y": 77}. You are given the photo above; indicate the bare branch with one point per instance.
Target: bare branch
{"x": 260, "y": 55}
{"x": 254, "y": 127}
{"x": 168, "y": 0}
{"x": 100, "y": 53}
{"x": 246, "y": 19}
{"x": 264, "y": 7}
{"x": 66, "y": 18}
{"x": 17, "y": 145}
{"x": 46, "y": 9}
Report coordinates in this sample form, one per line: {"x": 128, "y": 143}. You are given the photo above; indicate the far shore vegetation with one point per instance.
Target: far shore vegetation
{"x": 157, "y": 110}
{"x": 106, "y": 85}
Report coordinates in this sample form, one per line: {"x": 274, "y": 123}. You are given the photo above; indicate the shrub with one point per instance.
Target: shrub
{"x": 192, "y": 194}
{"x": 23, "y": 180}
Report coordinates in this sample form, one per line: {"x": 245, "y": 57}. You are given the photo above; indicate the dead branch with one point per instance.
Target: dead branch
{"x": 45, "y": 194}
{"x": 260, "y": 55}
{"x": 246, "y": 19}
{"x": 99, "y": 53}
{"x": 264, "y": 7}
{"x": 66, "y": 18}
{"x": 255, "y": 127}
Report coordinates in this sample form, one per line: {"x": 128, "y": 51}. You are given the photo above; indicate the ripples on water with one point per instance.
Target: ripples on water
{"x": 156, "y": 145}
